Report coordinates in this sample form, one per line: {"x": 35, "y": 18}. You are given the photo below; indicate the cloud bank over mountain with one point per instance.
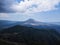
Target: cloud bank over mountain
{"x": 28, "y": 6}
{"x": 43, "y": 10}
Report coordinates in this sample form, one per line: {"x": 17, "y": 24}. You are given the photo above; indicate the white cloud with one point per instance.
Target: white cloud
{"x": 33, "y": 6}
{"x": 4, "y": 15}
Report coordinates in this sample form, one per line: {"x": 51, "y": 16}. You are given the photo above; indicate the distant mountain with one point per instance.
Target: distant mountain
{"x": 30, "y": 23}
{"x": 30, "y": 36}
{"x": 56, "y": 23}
{"x": 37, "y": 24}
{"x": 6, "y": 24}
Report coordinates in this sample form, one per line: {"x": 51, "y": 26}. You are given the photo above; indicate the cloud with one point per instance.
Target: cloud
{"x": 29, "y": 6}
{"x": 4, "y": 15}
{"x": 5, "y": 5}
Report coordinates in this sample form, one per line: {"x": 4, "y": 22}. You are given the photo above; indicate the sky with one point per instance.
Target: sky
{"x": 20, "y": 10}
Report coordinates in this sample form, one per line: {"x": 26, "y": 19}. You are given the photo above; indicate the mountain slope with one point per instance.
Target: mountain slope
{"x": 6, "y": 24}
{"x": 31, "y": 36}
{"x": 37, "y": 24}
{"x": 29, "y": 23}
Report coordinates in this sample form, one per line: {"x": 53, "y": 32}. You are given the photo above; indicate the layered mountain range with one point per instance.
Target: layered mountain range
{"x": 30, "y": 23}
{"x": 29, "y": 32}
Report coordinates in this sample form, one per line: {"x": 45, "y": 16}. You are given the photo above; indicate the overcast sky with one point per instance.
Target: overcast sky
{"x": 20, "y": 10}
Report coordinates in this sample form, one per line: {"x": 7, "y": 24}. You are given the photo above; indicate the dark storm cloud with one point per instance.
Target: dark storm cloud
{"x": 2, "y": 6}
{"x": 10, "y": 6}
{"x": 5, "y": 6}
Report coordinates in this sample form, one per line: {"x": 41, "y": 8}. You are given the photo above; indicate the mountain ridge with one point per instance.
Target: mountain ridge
{"x": 30, "y": 36}
{"x": 30, "y": 23}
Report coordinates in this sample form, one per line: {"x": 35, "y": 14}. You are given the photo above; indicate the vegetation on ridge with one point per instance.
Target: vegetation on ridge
{"x": 21, "y": 35}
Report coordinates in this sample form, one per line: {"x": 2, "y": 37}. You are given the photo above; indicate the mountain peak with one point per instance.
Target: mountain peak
{"x": 30, "y": 21}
